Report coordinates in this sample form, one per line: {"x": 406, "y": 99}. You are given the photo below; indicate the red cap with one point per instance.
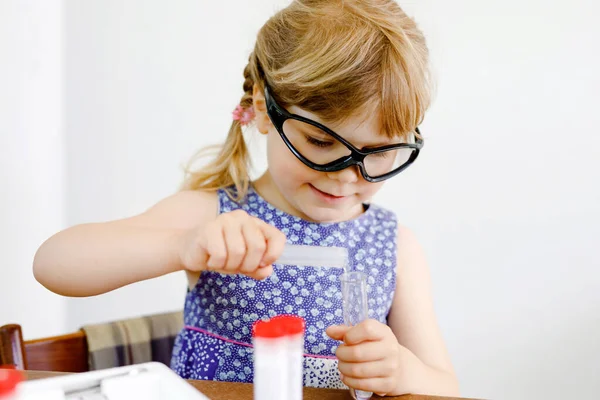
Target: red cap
{"x": 267, "y": 329}
{"x": 292, "y": 324}
{"x": 9, "y": 379}
{"x": 278, "y": 326}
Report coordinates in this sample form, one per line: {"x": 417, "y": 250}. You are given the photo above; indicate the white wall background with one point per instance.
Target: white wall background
{"x": 505, "y": 197}
{"x": 32, "y": 157}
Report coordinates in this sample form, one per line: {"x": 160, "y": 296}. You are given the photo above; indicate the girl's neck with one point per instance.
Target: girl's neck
{"x": 267, "y": 189}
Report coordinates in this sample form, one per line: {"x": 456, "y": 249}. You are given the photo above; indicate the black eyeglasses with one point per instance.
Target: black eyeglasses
{"x": 321, "y": 149}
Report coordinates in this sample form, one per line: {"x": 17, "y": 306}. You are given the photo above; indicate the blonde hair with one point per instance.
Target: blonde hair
{"x": 333, "y": 58}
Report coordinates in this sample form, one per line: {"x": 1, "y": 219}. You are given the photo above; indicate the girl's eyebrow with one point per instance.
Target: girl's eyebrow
{"x": 313, "y": 130}
{"x": 376, "y": 144}
{"x": 380, "y": 144}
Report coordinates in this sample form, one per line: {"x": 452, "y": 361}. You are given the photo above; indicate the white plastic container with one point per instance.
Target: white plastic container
{"x": 147, "y": 381}
{"x": 277, "y": 365}
{"x": 294, "y": 327}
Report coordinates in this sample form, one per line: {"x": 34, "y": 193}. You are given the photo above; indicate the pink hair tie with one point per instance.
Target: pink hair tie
{"x": 243, "y": 115}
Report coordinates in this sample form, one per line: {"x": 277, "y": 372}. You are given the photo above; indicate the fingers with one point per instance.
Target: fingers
{"x": 363, "y": 352}
{"x": 337, "y": 332}
{"x": 275, "y": 240}
{"x": 363, "y": 342}
{"x": 239, "y": 243}
{"x": 256, "y": 246}
{"x": 369, "y": 357}
{"x": 368, "y": 330}
{"x": 261, "y": 273}
{"x": 366, "y": 370}
{"x": 235, "y": 243}
{"x": 216, "y": 250}
{"x": 380, "y": 385}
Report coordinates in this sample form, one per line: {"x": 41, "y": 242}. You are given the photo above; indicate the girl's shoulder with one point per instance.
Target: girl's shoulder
{"x": 184, "y": 210}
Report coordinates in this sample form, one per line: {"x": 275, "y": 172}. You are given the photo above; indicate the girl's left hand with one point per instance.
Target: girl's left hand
{"x": 371, "y": 359}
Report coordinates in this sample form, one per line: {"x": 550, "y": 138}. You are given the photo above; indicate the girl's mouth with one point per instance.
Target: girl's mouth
{"x": 330, "y": 198}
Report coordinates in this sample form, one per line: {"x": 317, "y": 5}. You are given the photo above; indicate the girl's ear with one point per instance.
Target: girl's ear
{"x": 263, "y": 122}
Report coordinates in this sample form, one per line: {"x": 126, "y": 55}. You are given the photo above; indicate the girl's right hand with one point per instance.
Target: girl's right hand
{"x": 234, "y": 243}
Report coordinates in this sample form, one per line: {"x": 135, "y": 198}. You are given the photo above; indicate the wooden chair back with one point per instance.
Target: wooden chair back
{"x": 65, "y": 353}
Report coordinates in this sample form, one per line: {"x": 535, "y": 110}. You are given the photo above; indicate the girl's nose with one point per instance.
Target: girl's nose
{"x": 347, "y": 175}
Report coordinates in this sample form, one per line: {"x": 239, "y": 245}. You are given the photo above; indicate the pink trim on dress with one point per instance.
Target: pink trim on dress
{"x": 193, "y": 328}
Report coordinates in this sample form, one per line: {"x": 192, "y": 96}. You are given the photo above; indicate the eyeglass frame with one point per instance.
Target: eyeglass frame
{"x": 278, "y": 115}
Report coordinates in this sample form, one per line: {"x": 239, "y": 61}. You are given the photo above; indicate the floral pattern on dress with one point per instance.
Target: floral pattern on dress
{"x": 219, "y": 312}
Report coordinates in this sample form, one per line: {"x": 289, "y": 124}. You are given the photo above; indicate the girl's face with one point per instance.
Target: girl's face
{"x": 317, "y": 196}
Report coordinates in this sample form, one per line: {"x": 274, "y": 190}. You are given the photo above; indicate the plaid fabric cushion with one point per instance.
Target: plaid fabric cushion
{"x": 133, "y": 341}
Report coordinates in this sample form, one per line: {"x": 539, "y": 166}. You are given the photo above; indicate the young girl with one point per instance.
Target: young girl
{"x": 338, "y": 87}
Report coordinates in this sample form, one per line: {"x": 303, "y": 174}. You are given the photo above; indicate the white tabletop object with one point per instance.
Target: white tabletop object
{"x": 148, "y": 381}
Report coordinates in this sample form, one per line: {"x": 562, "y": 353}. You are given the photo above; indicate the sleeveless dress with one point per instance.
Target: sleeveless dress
{"x": 216, "y": 342}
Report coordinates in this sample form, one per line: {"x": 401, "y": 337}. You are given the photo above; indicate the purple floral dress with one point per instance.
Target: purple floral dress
{"x": 216, "y": 342}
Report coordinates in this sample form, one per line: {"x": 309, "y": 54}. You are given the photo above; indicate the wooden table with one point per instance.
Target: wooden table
{"x": 230, "y": 390}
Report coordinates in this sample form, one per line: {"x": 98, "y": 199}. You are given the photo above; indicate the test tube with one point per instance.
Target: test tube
{"x": 355, "y": 310}
{"x": 271, "y": 368}
{"x": 278, "y": 357}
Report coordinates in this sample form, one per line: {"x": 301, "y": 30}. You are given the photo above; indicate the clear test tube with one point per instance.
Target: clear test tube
{"x": 355, "y": 310}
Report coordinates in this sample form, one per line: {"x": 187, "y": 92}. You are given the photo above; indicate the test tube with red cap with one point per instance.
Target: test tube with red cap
{"x": 294, "y": 327}
{"x": 278, "y": 349}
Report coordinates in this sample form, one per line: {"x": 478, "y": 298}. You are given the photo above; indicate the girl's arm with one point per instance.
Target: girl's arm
{"x": 92, "y": 259}
{"x": 413, "y": 321}
{"x": 408, "y": 355}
